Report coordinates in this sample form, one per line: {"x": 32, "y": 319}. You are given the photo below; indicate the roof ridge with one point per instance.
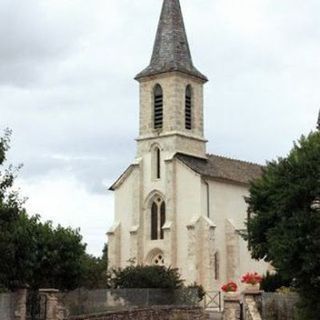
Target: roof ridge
{"x": 233, "y": 159}
{"x": 220, "y": 167}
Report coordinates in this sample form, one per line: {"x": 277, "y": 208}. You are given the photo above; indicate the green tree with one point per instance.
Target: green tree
{"x": 151, "y": 277}
{"x": 31, "y": 252}
{"x": 271, "y": 282}
{"x": 95, "y": 274}
{"x": 58, "y": 259}
{"x": 10, "y": 210}
{"x": 283, "y": 228}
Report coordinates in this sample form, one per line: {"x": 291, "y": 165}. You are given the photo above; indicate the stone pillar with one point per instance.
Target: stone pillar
{"x": 20, "y": 312}
{"x": 170, "y": 238}
{"x": 233, "y": 251}
{"x": 114, "y": 247}
{"x": 252, "y": 298}
{"x": 231, "y": 306}
{"x": 207, "y": 261}
{"x": 52, "y": 303}
{"x": 192, "y": 253}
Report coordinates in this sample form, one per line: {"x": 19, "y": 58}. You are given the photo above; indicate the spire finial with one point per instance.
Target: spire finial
{"x": 171, "y": 50}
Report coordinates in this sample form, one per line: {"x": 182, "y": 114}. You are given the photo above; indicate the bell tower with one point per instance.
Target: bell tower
{"x": 171, "y": 91}
{"x": 148, "y": 220}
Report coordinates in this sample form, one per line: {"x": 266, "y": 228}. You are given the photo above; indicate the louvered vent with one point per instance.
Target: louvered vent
{"x": 158, "y": 107}
{"x": 188, "y": 109}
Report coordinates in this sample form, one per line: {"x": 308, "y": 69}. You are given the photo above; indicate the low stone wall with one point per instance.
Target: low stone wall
{"x": 6, "y": 306}
{"x": 231, "y": 307}
{"x": 259, "y": 305}
{"x": 252, "y": 311}
{"x": 242, "y": 306}
{"x": 155, "y": 313}
{"x": 277, "y": 306}
{"x": 13, "y": 305}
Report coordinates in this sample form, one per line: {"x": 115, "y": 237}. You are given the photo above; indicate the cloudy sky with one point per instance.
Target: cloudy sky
{"x": 67, "y": 90}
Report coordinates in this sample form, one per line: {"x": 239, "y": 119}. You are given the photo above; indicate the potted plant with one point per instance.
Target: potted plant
{"x": 252, "y": 281}
{"x": 230, "y": 289}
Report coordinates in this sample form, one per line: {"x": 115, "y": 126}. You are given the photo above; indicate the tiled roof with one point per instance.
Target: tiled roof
{"x": 223, "y": 168}
{"x": 171, "y": 50}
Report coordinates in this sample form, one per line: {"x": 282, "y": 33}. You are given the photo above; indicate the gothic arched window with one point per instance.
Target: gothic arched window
{"x": 158, "y": 107}
{"x": 154, "y": 221}
{"x": 155, "y": 257}
{"x": 188, "y": 108}
{"x": 158, "y": 218}
{"x": 162, "y": 218}
{"x": 155, "y": 162}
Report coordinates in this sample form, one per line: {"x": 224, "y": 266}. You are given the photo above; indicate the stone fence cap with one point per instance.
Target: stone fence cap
{"x": 49, "y": 290}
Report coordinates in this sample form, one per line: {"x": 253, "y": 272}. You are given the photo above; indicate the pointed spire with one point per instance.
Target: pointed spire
{"x": 318, "y": 122}
{"x": 171, "y": 50}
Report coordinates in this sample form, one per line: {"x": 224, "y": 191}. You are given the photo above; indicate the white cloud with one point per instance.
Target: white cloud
{"x": 62, "y": 199}
{"x": 67, "y": 89}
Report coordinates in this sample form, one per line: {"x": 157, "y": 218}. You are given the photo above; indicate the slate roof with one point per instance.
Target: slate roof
{"x": 171, "y": 50}
{"x": 218, "y": 167}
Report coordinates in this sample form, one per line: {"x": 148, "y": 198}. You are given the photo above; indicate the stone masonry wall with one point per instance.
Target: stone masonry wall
{"x": 6, "y": 306}
{"x": 252, "y": 308}
{"x": 160, "y": 313}
{"x": 13, "y": 305}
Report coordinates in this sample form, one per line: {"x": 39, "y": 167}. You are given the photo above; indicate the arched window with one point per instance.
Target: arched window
{"x": 158, "y": 107}
{"x": 154, "y": 221}
{"x": 188, "y": 108}
{"x": 216, "y": 266}
{"x": 155, "y": 257}
{"x": 158, "y": 218}
{"x": 156, "y": 162}
{"x": 158, "y": 260}
{"x": 162, "y": 218}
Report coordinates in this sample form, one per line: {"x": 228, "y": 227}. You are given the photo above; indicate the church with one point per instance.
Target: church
{"x": 177, "y": 205}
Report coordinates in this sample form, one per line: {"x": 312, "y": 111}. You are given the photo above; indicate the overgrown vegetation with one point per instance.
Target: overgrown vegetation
{"x": 146, "y": 277}
{"x": 95, "y": 274}
{"x": 284, "y": 228}
{"x": 157, "y": 277}
{"x": 271, "y": 282}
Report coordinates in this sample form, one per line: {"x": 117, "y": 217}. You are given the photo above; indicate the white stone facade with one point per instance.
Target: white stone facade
{"x": 201, "y": 235}
{"x": 203, "y": 214}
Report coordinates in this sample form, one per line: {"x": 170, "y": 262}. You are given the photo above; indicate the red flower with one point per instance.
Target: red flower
{"x": 229, "y": 287}
{"x": 251, "y": 278}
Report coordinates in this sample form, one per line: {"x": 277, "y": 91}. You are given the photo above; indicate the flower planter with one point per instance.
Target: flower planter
{"x": 251, "y": 282}
{"x": 251, "y": 288}
{"x": 231, "y": 294}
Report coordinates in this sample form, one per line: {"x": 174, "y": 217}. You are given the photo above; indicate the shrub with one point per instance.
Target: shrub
{"x": 200, "y": 290}
{"x": 172, "y": 288}
{"x": 271, "y": 282}
{"x": 150, "y": 277}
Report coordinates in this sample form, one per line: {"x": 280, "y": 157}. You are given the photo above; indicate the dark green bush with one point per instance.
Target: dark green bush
{"x": 165, "y": 283}
{"x": 273, "y": 281}
{"x": 150, "y": 277}
{"x": 200, "y": 290}
{"x": 307, "y": 310}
